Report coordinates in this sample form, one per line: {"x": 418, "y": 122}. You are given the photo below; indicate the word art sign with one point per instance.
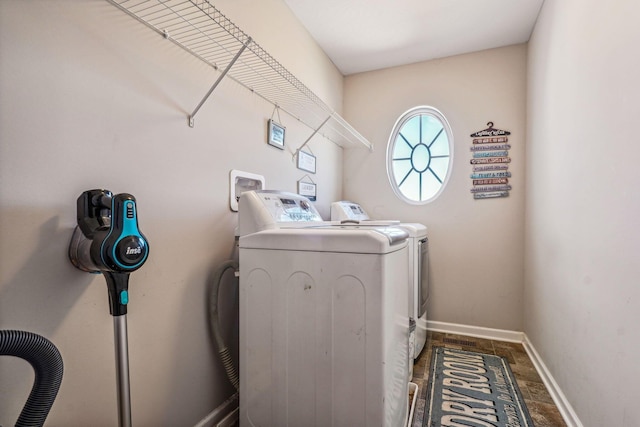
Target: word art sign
{"x": 490, "y": 160}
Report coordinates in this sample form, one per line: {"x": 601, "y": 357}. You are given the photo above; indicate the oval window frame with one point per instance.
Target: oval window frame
{"x": 405, "y": 117}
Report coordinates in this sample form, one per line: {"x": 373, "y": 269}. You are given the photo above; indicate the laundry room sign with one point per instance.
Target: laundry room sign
{"x": 490, "y": 162}
{"x": 307, "y": 188}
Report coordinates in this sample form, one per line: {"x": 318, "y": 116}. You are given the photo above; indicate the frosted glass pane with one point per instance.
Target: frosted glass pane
{"x": 420, "y": 158}
{"x": 401, "y": 149}
{"x": 430, "y": 128}
{"x": 441, "y": 146}
{"x": 430, "y": 186}
{"x": 439, "y": 166}
{"x": 400, "y": 170}
{"x": 411, "y": 130}
{"x": 410, "y": 187}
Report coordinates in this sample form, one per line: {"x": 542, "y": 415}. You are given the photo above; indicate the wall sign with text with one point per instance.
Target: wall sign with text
{"x": 490, "y": 162}
{"x": 307, "y": 189}
{"x": 276, "y": 135}
{"x": 306, "y": 161}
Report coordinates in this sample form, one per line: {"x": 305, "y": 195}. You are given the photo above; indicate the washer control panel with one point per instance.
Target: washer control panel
{"x": 265, "y": 209}
{"x": 285, "y": 207}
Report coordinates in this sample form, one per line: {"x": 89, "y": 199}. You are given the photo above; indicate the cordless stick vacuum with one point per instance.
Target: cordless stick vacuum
{"x": 107, "y": 240}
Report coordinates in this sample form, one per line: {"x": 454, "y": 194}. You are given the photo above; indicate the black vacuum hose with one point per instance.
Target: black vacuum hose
{"x": 46, "y": 361}
{"x": 223, "y": 351}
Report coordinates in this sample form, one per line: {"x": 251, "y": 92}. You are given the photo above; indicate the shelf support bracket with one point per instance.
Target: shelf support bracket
{"x": 312, "y": 135}
{"x": 217, "y": 82}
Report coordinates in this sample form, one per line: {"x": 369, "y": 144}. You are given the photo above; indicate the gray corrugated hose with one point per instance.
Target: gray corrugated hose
{"x": 214, "y": 320}
{"x": 46, "y": 361}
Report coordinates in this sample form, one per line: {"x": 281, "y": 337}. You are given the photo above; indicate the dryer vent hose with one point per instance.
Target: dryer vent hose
{"x": 214, "y": 319}
{"x": 46, "y": 361}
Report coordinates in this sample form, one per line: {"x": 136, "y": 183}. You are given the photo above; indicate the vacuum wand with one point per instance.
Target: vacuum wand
{"x": 118, "y": 284}
{"x": 122, "y": 370}
{"x": 107, "y": 240}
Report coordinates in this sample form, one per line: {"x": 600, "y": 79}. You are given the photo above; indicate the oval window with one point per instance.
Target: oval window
{"x": 419, "y": 155}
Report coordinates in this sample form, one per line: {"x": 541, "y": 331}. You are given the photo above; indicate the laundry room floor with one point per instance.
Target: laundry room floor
{"x": 543, "y": 411}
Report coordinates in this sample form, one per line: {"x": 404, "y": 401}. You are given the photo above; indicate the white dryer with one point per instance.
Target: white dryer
{"x": 323, "y": 319}
{"x": 350, "y": 212}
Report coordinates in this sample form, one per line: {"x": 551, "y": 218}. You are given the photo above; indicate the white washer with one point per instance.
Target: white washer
{"x": 323, "y": 320}
{"x": 350, "y": 212}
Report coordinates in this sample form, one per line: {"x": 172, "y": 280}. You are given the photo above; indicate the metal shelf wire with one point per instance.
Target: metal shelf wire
{"x": 202, "y": 30}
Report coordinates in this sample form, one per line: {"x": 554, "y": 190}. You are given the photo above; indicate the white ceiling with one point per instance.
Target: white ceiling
{"x": 364, "y": 35}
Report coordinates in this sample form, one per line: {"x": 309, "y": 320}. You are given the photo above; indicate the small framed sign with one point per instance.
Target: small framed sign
{"x": 306, "y": 161}
{"x": 276, "y": 135}
{"x": 307, "y": 189}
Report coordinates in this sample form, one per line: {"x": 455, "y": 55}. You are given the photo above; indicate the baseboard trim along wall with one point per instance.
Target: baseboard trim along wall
{"x": 475, "y": 331}
{"x": 565, "y": 408}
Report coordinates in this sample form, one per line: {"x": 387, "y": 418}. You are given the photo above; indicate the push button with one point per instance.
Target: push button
{"x": 124, "y": 297}
{"x": 130, "y": 211}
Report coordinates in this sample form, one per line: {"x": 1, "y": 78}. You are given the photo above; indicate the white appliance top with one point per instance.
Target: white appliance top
{"x": 352, "y": 213}
{"x": 281, "y": 220}
{"x": 364, "y": 240}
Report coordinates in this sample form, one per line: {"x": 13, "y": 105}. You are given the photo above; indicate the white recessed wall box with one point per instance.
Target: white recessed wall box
{"x": 240, "y": 182}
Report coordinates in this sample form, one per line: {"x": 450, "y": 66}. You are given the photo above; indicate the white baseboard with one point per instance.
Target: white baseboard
{"x": 565, "y": 408}
{"x": 475, "y": 331}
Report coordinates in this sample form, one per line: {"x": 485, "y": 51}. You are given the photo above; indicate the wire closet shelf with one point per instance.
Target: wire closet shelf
{"x": 202, "y": 30}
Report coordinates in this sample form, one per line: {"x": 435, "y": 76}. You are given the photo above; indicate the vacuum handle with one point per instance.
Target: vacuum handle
{"x": 118, "y": 286}
{"x": 125, "y": 248}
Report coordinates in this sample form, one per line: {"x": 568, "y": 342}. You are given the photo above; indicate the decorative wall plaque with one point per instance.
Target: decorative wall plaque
{"x": 306, "y": 161}
{"x": 307, "y": 188}
{"x": 490, "y": 160}
{"x": 276, "y": 134}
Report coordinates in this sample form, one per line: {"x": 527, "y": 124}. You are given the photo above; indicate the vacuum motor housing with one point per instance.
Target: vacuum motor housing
{"x": 108, "y": 237}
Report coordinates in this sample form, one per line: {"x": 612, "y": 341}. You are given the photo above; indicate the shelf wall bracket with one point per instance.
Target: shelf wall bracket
{"x": 312, "y": 135}
{"x": 217, "y": 82}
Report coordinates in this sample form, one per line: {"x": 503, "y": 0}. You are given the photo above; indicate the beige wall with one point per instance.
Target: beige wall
{"x": 91, "y": 98}
{"x": 582, "y": 295}
{"x": 476, "y": 246}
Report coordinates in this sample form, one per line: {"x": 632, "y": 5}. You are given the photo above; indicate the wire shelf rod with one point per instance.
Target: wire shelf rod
{"x": 202, "y": 30}
{"x": 224, "y": 73}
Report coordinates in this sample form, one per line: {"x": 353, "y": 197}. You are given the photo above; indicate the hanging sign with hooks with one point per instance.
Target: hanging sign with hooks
{"x": 306, "y": 161}
{"x": 307, "y": 188}
{"x": 275, "y": 131}
{"x": 490, "y": 154}
{"x": 490, "y": 131}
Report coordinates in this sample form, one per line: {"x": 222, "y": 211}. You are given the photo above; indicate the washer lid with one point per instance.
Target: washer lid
{"x": 369, "y": 240}
{"x": 413, "y": 228}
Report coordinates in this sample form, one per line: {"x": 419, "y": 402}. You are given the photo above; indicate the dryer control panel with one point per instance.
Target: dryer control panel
{"x": 344, "y": 210}
{"x": 265, "y": 209}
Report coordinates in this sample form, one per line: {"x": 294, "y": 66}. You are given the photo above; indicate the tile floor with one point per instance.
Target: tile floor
{"x": 539, "y": 403}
